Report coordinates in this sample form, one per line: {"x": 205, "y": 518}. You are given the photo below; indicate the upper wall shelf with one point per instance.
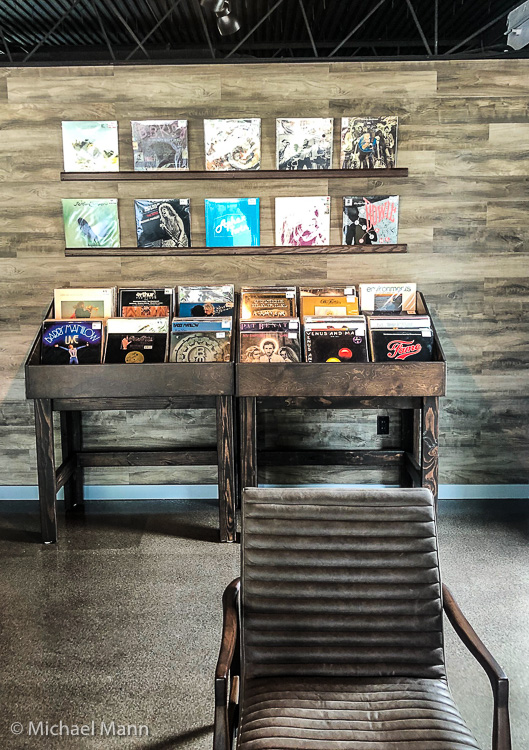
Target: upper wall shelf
{"x": 258, "y": 174}
{"x": 254, "y": 250}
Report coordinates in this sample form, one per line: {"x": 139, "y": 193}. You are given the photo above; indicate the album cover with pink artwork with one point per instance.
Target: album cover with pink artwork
{"x": 303, "y": 220}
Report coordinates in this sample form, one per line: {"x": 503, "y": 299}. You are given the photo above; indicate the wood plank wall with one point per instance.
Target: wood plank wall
{"x": 463, "y": 134}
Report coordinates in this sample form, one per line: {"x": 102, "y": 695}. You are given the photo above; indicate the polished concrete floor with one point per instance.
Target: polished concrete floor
{"x": 120, "y": 622}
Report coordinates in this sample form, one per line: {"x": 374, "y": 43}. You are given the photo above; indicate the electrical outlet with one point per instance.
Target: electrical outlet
{"x": 382, "y": 425}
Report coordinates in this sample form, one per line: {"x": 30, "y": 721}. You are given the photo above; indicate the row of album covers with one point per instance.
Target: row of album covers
{"x": 232, "y": 144}
{"x": 275, "y": 324}
{"x": 301, "y": 221}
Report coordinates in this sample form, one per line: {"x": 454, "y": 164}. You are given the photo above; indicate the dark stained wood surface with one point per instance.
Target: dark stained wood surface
{"x": 226, "y": 467}
{"x": 143, "y": 403}
{"x": 46, "y": 469}
{"x": 148, "y": 458}
{"x": 430, "y": 445}
{"x": 243, "y": 174}
{"x": 248, "y": 442}
{"x": 235, "y": 251}
{"x": 361, "y": 379}
{"x": 338, "y": 402}
{"x": 129, "y": 381}
{"x": 326, "y": 457}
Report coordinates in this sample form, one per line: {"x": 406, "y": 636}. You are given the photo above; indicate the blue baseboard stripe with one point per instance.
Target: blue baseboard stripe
{"x": 209, "y": 491}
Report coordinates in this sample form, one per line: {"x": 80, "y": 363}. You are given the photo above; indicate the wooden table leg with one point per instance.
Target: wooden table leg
{"x": 248, "y": 438}
{"x": 226, "y": 467}
{"x": 406, "y": 441}
{"x": 72, "y": 443}
{"x": 430, "y": 445}
{"x": 46, "y": 469}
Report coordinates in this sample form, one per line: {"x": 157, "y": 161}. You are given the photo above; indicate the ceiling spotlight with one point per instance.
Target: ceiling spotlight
{"x": 215, "y": 6}
{"x": 226, "y": 22}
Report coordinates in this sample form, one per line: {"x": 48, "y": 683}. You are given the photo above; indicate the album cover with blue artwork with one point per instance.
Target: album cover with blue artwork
{"x": 71, "y": 342}
{"x": 232, "y": 222}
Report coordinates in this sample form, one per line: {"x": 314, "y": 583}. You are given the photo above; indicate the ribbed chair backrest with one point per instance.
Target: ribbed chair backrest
{"x": 341, "y": 583}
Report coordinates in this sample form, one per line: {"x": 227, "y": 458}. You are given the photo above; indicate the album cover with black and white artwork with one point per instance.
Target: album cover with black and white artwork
{"x": 304, "y": 143}
{"x": 163, "y": 222}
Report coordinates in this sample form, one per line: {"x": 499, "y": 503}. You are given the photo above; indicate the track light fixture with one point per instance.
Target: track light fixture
{"x": 227, "y": 23}
{"x": 212, "y": 5}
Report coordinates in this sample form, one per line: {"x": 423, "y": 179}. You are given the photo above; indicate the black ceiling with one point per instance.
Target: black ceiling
{"x": 86, "y": 31}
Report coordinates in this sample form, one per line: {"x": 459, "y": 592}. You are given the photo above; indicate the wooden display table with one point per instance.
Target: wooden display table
{"x": 413, "y": 388}
{"x": 72, "y": 389}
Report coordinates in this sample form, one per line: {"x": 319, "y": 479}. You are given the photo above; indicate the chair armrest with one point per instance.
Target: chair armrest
{"x": 501, "y": 732}
{"x": 227, "y": 665}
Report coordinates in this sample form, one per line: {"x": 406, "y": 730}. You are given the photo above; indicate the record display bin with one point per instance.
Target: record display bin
{"x": 413, "y": 387}
{"x": 71, "y": 390}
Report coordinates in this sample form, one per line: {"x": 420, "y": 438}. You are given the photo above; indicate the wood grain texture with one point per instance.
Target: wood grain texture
{"x": 46, "y": 471}
{"x": 231, "y": 251}
{"x": 463, "y": 137}
{"x": 227, "y": 468}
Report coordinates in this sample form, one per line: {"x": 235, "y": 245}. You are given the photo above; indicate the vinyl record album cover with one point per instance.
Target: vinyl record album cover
{"x": 163, "y": 222}
{"x": 233, "y": 144}
{"x": 200, "y": 340}
{"x": 145, "y": 303}
{"x": 372, "y": 220}
{"x": 263, "y": 302}
{"x": 160, "y": 144}
{"x": 328, "y": 302}
{"x": 335, "y": 345}
{"x": 303, "y": 221}
{"x": 270, "y": 341}
{"x": 91, "y": 222}
{"x": 304, "y": 143}
{"x": 380, "y": 299}
{"x": 66, "y": 342}
{"x": 399, "y": 344}
{"x": 206, "y": 301}
{"x": 369, "y": 142}
{"x": 232, "y": 222}
{"x": 90, "y": 146}
{"x": 84, "y": 303}
{"x": 136, "y": 340}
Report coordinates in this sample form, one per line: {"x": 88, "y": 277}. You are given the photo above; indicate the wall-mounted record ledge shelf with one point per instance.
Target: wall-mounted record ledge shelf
{"x": 243, "y": 174}
{"x": 255, "y": 250}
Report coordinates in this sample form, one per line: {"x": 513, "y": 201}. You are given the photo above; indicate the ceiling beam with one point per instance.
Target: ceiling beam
{"x": 4, "y": 42}
{"x": 481, "y": 29}
{"x": 50, "y": 32}
{"x": 116, "y": 12}
{"x": 104, "y": 32}
{"x": 419, "y": 27}
{"x": 254, "y": 28}
{"x": 157, "y": 25}
{"x": 358, "y": 26}
{"x": 198, "y": 8}
{"x": 304, "y": 13}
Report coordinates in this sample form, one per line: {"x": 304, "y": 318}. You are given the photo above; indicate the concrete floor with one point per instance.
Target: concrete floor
{"x": 120, "y": 622}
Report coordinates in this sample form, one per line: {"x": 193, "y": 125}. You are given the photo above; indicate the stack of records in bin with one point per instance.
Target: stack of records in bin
{"x": 136, "y": 340}
{"x": 270, "y": 340}
{"x": 334, "y": 301}
{"x": 401, "y": 338}
{"x": 200, "y": 339}
{"x": 335, "y": 339}
{"x": 268, "y": 302}
{"x": 206, "y": 301}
